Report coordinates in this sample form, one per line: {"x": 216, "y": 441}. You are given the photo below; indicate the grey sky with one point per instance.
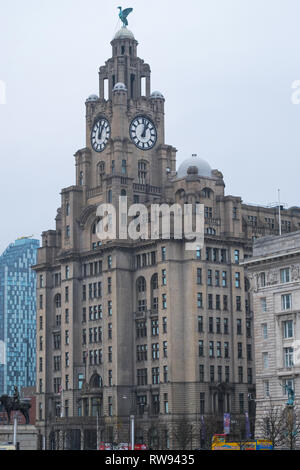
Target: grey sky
{"x": 225, "y": 67}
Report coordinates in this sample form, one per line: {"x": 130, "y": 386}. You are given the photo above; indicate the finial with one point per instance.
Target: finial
{"x": 123, "y": 15}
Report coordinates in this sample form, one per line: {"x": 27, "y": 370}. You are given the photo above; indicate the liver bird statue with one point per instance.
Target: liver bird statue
{"x": 123, "y": 15}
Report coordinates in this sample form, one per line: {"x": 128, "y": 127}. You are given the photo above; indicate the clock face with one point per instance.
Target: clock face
{"x": 100, "y": 134}
{"x": 143, "y": 133}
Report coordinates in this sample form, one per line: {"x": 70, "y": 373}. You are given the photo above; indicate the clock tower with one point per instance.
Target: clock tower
{"x": 125, "y": 130}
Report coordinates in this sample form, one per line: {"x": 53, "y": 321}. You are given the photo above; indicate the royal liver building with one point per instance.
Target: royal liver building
{"x": 144, "y": 328}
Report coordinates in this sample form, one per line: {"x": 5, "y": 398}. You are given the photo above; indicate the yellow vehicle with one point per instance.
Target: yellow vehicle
{"x": 222, "y": 442}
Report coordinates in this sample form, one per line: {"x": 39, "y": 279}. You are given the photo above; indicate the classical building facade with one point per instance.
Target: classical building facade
{"x": 18, "y": 315}
{"x": 274, "y": 272}
{"x": 142, "y": 327}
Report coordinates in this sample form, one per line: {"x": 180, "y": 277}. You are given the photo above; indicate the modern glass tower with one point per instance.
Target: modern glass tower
{"x": 18, "y": 315}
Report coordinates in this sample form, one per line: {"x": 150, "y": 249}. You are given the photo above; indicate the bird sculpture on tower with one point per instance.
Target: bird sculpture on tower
{"x": 123, "y": 15}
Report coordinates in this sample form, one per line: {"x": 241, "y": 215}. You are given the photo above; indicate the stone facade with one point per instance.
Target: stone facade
{"x": 274, "y": 271}
{"x": 27, "y": 436}
{"x": 142, "y": 327}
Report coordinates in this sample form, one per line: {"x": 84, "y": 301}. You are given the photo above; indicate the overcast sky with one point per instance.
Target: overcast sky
{"x": 225, "y": 67}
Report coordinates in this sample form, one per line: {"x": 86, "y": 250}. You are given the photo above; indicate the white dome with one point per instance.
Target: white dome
{"x": 93, "y": 98}
{"x": 124, "y": 33}
{"x": 120, "y": 87}
{"x": 204, "y": 168}
{"x": 157, "y": 94}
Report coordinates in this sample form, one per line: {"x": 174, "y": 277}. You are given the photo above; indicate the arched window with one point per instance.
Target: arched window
{"x": 57, "y": 301}
{"x": 123, "y": 192}
{"x": 67, "y": 208}
{"x": 109, "y": 196}
{"x": 96, "y": 381}
{"x": 206, "y": 193}
{"x": 141, "y": 284}
{"x": 154, "y": 282}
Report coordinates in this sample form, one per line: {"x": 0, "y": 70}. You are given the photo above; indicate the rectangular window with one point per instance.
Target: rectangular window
{"x": 218, "y": 302}
{"x": 220, "y": 374}
{"x": 240, "y": 374}
{"x": 165, "y": 374}
{"x": 263, "y": 302}
{"x": 265, "y": 357}
{"x": 210, "y": 302}
{"x": 199, "y": 300}
{"x": 226, "y": 326}
{"x": 199, "y": 276}
{"x": 210, "y": 325}
{"x": 164, "y": 301}
{"x": 239, "y": 326}
{"x": 219, "y": 350}
{"x": 165, "y": 325}
{"x": 237, "y": 280}
{"x": 218, "y": 325}
{"x": 227, "y": 374}
{"x": 236, "y": 256}
{"x": 201, "y": 373}
{"x": 288, "y": 357}
{"x": 209, "y": 277}
{"x": 286, "y": 301}
{"x": 266, "y": 388}
{"x": 198, "y": 253}
{"x": 288, "y": 329}
{"x": 224, "y": 279}
{"x": 264, "y": 330}
{"x": 249, "y": 352}
{"x": 211, "y": 349}
{"x": 225, "y": 302}
{"x": 285, "y": 275}
{"x": 164, "y": 277}
{"x": 212, "y": 373}
{"x": 110, "y": 354}
{"x": 238, "y": 303}
{"x": 242, "y": 403}
{"x": 155, "y": 375}
{"x": 240, "y": 350}
{"x": 226, "y": 350}
{"x": 217, "y": 278}
{"x": 155, "y": 351}
{"x": 154, "y": 327}
{"x": 250, "y": 376}
{"x": 163, "y": 253}
{"x": 201, "y": 348}
{"x": 202, "y": 403}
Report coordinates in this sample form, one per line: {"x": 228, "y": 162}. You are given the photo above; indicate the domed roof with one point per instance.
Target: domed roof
{"x": 124, "y": 33}
{"x": 157, "y": 94}
{"x": 93, "y": 98}
{"x": 203, "y": 167}
{"x": 120, "y": 87}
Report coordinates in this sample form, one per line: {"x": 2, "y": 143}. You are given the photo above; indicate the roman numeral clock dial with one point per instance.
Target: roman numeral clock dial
{"x": 143, "y": 133}
{"x": 100, "y": 134}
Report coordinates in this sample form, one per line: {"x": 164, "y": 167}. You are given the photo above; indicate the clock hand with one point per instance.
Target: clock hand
{"x": 100, "y": 132}
{"x": 145, "y": 128}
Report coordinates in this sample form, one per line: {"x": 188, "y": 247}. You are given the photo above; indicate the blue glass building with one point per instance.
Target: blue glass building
{"x": 18, "y": 315}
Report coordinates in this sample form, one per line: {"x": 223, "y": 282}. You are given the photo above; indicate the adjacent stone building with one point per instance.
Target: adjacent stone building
{"x": 274, "y": 271}
{"x": 144, "y": 327}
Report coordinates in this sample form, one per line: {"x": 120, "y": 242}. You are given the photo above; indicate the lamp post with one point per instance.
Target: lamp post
{"x": 132, "y": 431}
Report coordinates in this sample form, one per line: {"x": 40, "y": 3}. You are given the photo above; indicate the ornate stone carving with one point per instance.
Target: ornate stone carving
{"x": 295, "y": 272}
{"x": 272, "y": 277}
